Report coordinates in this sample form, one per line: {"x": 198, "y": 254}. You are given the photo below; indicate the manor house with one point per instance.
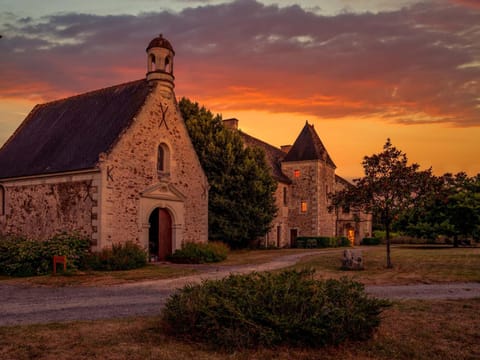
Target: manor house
{"x": 306, "y": 177}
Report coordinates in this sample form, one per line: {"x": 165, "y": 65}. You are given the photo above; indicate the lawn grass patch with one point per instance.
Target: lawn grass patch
{"x": 411, "y": 265}
{"x": 434, "y": 330}
{"x": 102, "y": 278}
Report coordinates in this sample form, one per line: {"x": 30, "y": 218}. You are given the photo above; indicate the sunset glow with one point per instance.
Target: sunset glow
{"x": 359, "y": 70}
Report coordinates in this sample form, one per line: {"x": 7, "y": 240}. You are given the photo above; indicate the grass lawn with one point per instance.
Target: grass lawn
{"x": 412, "y": 264}
{"x": 101, "y": 278}
{"x": 409, "y": 330}
{"x": 150, "y": 272}
{"x": 242, "y": 257}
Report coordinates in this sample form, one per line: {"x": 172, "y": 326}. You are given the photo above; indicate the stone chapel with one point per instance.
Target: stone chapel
{"x": 114, "y": 164}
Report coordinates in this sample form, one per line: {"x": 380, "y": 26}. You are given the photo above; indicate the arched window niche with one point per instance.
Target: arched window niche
{"x": 163, "y": 159}
{"x": 152, "y": 63}
{"x": 168, "y": 65}
{"x": 2, "y": 200}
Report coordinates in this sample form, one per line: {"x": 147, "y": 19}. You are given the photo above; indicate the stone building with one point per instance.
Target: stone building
{"x": 306, "y": 176}
{"x": 115, "y": 164}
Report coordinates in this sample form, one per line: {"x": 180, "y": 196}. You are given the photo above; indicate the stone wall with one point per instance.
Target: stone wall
{"x": 311, "y": 181}
{"x": 130, "y": 169}
{"x": 360, "y": 221}
{"x": 41, "y": 208}
{"x": 279, "y": 234}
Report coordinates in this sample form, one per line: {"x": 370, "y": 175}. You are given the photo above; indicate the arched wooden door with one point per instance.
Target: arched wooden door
{"x": 160, "y": 234}
{"x": 164, "y": 234}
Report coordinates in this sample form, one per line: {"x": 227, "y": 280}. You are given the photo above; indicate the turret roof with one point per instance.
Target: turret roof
{"x": 308, "y": 146}
{"x": 160, "y": 41}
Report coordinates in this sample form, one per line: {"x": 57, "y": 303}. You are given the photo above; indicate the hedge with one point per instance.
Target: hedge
{"x": 310, "y": 242}
{"x": 20, "y": 256}
{"x": 370, "y": 241}
{"x": 200, "y": 253}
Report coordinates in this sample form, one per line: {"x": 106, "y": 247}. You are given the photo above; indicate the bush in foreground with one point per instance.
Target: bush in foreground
{"x": 264, "y": 309}
{"x": 193, "y": 253}
{"x": 26, "y": 257}
{"x": 118, "y": 257}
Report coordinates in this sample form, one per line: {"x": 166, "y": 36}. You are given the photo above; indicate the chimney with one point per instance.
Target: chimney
{"x": 231, "y": 123}
{"x": 285, "y": 148}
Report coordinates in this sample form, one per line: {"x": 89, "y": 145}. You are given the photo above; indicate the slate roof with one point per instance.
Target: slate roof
{"x": 308, "y": 146}
{"x": 273, "y": 155}
{"x": 343, "y": 181}
{"x": 69, "y": 134}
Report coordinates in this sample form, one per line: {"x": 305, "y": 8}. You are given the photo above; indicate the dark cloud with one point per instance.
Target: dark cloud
{"x": 415, "y": 65}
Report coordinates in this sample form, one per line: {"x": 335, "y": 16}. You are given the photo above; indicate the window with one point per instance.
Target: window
{"x": 296, "y": 173}
{"x": 163, "y": 158}
{"x": 167, "y": 65}
{"x": 2, "y": 200}
{"x": 285, "y": 196}
{"x": 153, "y": 65}
{"x": 304, "y": 207}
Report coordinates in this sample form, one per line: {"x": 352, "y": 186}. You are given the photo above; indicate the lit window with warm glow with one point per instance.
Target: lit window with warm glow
{"x": 303, "y": 207}
{"x": 296, "y": 173}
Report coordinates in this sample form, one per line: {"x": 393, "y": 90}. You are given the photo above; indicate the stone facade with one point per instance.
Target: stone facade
{"x": 50, "y": 205}
{"x": 133, "y": 186}
{"x": 126, "y": 170}
{"x": 306, "y": 178}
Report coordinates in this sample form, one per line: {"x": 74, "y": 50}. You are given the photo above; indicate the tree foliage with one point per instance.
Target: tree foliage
{"x": 452, "y": 210}
{"x": 241, "y": 194}
{"x": 389, "y": 187}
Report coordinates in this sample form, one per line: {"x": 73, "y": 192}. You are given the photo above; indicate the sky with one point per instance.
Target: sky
{"x": 360, "y": 71}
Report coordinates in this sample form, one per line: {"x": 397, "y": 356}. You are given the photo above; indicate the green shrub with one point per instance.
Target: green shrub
{"x": 370, "y": 241}
{"x": 25, "y": 257}
{"x": 343, "y": 241}
{"x": 310, "y": 242}
{"x": 269, "y": 309}
{"x": 118, "y": 257}
{"x": 200, "y": 253}
{"x": 300, "y": 242}
{"x": 325, "y": 241}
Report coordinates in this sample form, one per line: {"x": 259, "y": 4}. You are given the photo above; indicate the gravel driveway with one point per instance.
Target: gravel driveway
{"x": 31, "y": 305}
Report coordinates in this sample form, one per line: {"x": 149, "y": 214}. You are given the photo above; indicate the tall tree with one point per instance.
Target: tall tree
{"x": 241, "y": 195}
{"x": 453, "y": 210}
{"x": 389, "y": 187}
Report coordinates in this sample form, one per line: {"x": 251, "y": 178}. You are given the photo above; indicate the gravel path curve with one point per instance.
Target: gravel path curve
{"x": 31, "y": 305}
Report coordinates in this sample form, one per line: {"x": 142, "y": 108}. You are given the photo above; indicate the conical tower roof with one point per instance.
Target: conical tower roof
{"x": 308, "y": 146}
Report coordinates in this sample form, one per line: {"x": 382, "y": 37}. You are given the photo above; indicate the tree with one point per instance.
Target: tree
{"x": 241, "y": 194}
{"x": 389, "y": 187}
{"x": 452, "y": 209}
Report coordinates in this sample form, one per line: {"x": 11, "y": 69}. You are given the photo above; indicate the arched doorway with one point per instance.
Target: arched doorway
{"x": 351, "y": 234}
{"x": 160, "y": 234}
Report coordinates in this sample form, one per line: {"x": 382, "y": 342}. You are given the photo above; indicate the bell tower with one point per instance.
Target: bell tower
{"x": 160, "y": 56}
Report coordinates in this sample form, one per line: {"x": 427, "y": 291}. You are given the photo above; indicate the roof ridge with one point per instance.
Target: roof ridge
{"x": 90, "y": 92}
